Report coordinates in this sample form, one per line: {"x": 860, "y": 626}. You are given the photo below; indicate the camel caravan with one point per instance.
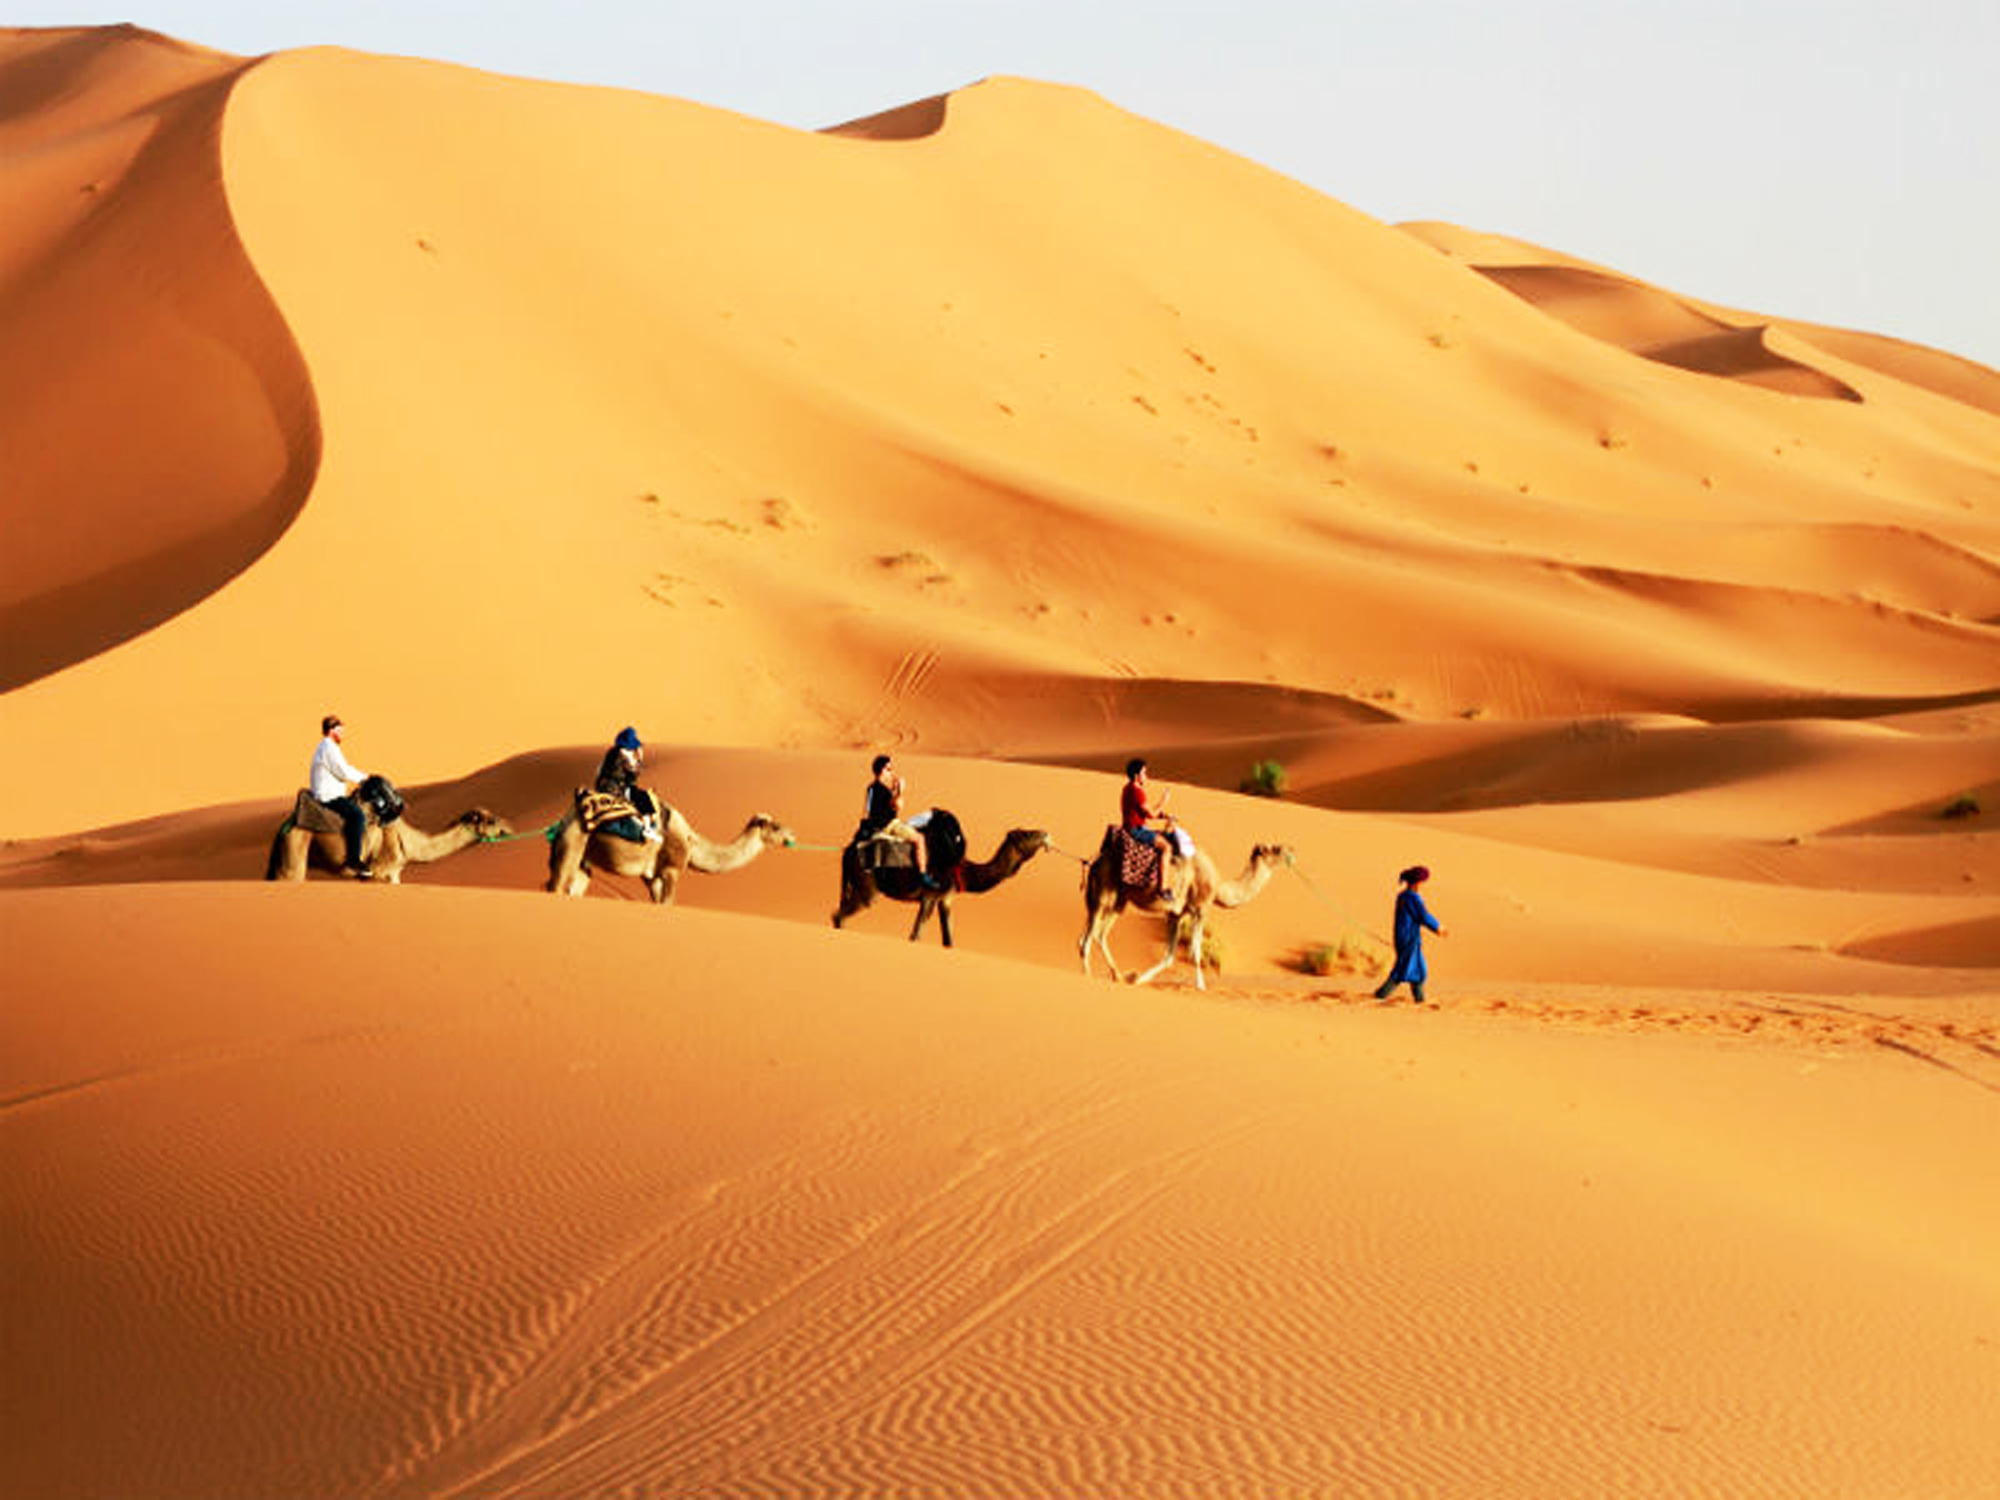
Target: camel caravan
{"x": 347, "y": 822}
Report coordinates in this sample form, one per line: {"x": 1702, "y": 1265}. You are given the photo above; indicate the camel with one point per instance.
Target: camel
{"x": 1191, "y": 889}
{"x": 385, "y": 847}
{"x": 859, "y": 886}
{"x": 660, "y": 862}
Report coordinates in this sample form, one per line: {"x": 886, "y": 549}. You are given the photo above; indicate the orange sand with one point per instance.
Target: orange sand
{"x": 1015, "y": 434}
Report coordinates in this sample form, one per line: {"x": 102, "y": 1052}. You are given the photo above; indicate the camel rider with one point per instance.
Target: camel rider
{"x": 882, "y": 816}
{"x": 331, "y": 779}
{"x": 618, "y": 776}
{"x": 1138, "y": 816}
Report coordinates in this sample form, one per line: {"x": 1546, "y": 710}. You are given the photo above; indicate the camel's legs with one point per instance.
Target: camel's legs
{"x": 665, "y": 881}
{"x": 384, "y": 856}
{"x": 1167, "y": 962}
{"x": 1098, "y": 933}
{"x": 857, "y": 892}
{"x": 925, "y": 906}
{"x": 1089, "y": 936}
{"x": 567, "y": 874}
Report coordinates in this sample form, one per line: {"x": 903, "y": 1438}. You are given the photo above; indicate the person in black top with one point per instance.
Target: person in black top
{"x": 882, "y": 813}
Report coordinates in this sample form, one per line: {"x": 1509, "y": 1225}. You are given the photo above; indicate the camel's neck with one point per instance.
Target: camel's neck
{"x": 420, "y": 847}
{"x": 1245, "y": 887}
{"x": 719, "y": 859}
{"x": 1004, "y": 865}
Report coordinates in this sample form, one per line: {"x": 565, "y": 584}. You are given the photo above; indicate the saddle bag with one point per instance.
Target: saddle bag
{"x": 944, "y": 841}
{"x": 880, "y": 852}
{"x": 379, "y": 795}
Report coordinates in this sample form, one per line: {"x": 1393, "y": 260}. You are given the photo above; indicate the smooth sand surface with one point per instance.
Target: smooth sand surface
{"x": 1016, "y": 435}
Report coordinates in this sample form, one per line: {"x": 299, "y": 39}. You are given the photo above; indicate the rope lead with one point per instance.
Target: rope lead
{"x": 1335, "y": 907}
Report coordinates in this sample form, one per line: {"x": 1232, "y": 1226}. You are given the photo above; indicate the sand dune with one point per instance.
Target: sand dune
{"x": 1608, "y": 305}
{"x": 157, "y": 425}
{"x": 567, "y": 407}
{"x": 1033, "y": 1234}
{"x": 1016, "y": 435}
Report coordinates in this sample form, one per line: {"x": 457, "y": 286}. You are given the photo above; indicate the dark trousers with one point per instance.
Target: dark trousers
{"x": 1389, "y": 988}
{"x": 353, "y": 823}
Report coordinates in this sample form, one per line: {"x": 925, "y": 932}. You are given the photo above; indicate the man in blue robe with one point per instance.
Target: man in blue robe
{"x": 1412, "y": 917}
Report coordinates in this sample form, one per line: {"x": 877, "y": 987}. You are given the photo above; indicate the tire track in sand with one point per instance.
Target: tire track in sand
{"x": 660, "y": 1372}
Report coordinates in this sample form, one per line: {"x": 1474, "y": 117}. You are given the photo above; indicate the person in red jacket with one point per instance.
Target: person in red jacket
{"x": 1141, "y": 819}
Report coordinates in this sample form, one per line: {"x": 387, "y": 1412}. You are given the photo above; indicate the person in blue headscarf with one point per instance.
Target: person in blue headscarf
{"x": 618, "y": 776}
{"x": 1412, "y": 917}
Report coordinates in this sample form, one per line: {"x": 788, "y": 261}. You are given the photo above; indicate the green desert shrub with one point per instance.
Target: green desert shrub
{"x": 1266, "y": 779}
{"x": 1966, "y": 806}
{"x": 1351, "y": 955}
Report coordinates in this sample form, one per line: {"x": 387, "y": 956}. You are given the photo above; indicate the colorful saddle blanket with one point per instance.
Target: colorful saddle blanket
{"x": 594, "y": 809}
{"x": 1138, "y": 863}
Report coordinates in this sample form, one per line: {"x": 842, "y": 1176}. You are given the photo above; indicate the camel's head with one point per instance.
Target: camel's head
{"x": 770, "y": 830}
{"x": 487, "y": 824}
{"x": 1028, "y": 841}
{"x": 1271, "y": 855}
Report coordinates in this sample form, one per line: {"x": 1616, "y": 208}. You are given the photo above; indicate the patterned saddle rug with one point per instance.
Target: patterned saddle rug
{"x": 594, "y": 809}
{"x": 1138, "y": 863}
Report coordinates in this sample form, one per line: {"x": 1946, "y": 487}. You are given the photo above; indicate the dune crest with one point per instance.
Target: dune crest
{"x": 157, "y": 425}
{"x": 1666, "y": 329}
{"x": 1615, "y": 307}
{"x": 908, "y": 122}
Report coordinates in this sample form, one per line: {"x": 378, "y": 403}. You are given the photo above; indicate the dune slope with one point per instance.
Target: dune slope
{"x": 157, "y": 426}
{"x": 495, "y": 1195}
{"x": 922, "y": 431}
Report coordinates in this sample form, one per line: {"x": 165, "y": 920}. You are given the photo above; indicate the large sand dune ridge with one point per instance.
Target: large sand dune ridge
{"x": 596, "y": 367}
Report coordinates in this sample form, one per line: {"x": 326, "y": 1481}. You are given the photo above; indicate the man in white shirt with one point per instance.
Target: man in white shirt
{"x": 329, "y": 780}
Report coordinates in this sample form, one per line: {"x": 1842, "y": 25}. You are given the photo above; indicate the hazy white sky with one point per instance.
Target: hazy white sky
{"x": 1831, "y": 160}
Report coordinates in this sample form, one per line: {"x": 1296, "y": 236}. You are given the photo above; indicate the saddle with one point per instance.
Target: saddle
{"x": 594, "y": 809}
{"x": 380, "y": 802}
{"x": 313, "y": 815}
{"x": 878, "y": 851}
{"x": 944, "y": 845}
{"x": 1138, "y": 863}
{"x": 1141, "y": 865}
